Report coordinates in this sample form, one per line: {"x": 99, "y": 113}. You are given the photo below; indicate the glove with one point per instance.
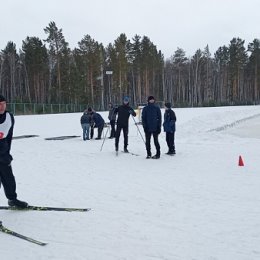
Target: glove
{"x": 131, "y": 112}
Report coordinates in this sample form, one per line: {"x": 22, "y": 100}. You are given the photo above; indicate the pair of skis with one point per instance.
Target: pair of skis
{"x": 37, "y": 208}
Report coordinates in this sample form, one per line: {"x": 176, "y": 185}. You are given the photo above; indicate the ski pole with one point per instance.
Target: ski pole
{"x": 104, "y": 139}
{"x": 138, "y": 128}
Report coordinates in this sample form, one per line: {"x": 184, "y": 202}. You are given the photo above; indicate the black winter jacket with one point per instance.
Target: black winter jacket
{"x": 124, "y": 111}
{"x": 5, "y": 142}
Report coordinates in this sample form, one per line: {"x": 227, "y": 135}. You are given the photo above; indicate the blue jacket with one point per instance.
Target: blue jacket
{"x": 169, "y": 121}
{"x": 85, "y": 118}
{"x": 152, "y": 118}
{"x": 98, "y": 120}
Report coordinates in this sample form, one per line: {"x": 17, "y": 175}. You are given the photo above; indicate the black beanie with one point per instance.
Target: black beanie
{"x": 150, "y": 98}
{"x": 168, "y": 105}
{"x": 2, "y": 98}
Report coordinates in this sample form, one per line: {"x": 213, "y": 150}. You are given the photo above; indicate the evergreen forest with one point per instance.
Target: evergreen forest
{"x": 49, "y": 71}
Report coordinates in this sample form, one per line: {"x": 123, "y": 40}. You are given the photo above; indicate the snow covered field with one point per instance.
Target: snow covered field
{"x": 198, "y": 204}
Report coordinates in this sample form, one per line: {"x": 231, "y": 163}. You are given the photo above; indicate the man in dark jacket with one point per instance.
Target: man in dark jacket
{"x": 98, "y": 123}
{"x": 85, "y": 121}
{"x": 112, "y": 120}
{"x": 6, "y": 173}
{"x": 169, "y": 128}
{"x": 152, "y": 120}
{"x": 123, "y": 112}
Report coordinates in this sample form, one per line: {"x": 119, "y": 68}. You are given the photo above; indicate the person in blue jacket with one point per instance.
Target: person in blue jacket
{"x": 98, "y": 122}
{"x": 152, "y": 120}
{"x": 169, "y": 128}
{"x": 85, "y": 121}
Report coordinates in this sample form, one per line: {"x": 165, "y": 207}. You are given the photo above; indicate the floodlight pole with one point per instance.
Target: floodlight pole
{"x": 109, "y": 73}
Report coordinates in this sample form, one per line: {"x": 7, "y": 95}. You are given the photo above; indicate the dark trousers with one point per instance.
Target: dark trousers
{"x": 118, "y": 131}
{"x": 170, "y": 141}
{"x": 148, "y": 143}
{"x": 91, "y": 132}
{"x": 8, "y": 181}
{"x": 100, "y": 129}
{"x": 113, "y": 130}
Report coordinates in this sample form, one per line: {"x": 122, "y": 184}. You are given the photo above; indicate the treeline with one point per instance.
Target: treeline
{"x": 48, "y": 71}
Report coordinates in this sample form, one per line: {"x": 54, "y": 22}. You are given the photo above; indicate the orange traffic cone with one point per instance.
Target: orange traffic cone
{"x": 240, "y": 161}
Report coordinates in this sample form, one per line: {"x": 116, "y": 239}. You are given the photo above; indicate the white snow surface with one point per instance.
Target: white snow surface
{"x": 198, "y": 204}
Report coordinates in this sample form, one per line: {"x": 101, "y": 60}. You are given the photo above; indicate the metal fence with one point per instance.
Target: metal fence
{"x": 43, "y": 108}
{"x": 35, "y": 108}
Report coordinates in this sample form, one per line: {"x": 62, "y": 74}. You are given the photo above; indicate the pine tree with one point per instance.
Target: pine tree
{"x": 92, "y": 55}
{"x": 10, "y": 61}
{"x": 58, "y": 49}
{"x": 36, "y": 63}
{"x": 237, "y": 62}
{"x": 254, "y": 67}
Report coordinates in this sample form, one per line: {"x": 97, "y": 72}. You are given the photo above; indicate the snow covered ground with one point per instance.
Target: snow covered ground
{"x": 198, "y": 204}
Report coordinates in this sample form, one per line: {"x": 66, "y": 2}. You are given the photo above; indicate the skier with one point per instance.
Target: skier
{"x": 112, "y": 119}
{"x": 169, "y": 127}
{"x": 152, "y": 120}
{"x": 6, "y": 174}
{"x": 123, "y": 112}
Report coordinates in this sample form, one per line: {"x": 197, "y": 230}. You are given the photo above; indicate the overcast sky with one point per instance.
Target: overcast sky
{"x": 187, "y": 24}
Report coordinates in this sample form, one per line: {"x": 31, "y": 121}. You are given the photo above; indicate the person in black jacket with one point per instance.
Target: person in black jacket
{"x": 112, "y": 120}
{"x": 123, "y": 112}
{"x": 169, "y": 128}
{"x": 152, "y": 120}
{"x": 6, "y": 174}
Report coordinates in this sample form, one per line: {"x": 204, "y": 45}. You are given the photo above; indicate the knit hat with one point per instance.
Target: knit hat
{"x": 126, "y": 99}
{"x": 150, "y": 98}
{"x": 168, "y": 105}
{"x": 2, "y": 98}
